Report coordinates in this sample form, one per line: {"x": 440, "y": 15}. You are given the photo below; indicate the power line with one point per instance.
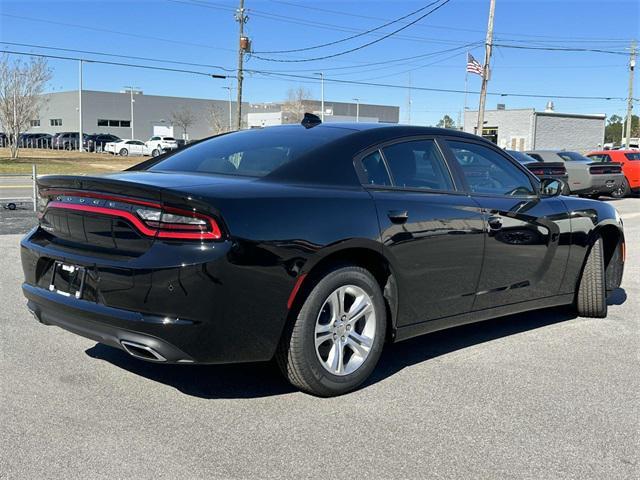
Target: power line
{"x": 335, "y": 42}
{"x": 104, "y": 54}
{"x": 315, "y": 80}
{"x": 442, "y": 90}
{"x": 117, "y": 32}
{"x": 560, "y": 49}
{"x": 306, "y": 22}
{"x": 351, "y": 50}
{"x": 444, "y": 27}
{"x": 104, "y": 62}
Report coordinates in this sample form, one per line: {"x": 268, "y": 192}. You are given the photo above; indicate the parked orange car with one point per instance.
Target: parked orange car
{"x": 630, "y": 160}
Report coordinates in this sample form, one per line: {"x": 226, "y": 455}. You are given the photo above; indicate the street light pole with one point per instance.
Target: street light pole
{"x": 80, "y": 139}
{"x": 321, "y": 95}
{"x": 230, "y": 109}
{"x": 357, "y": 100}
{"x": 131, "y": 88}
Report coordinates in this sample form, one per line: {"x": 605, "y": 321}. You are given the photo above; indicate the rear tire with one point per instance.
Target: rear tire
{"x": 623, "y": 191}
{"x": 124, "y": 152}
{"x": 591, "y": 298}
{"x": 330, "y": 349}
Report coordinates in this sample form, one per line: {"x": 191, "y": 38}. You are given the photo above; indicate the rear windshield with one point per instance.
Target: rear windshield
{"x": 254, "y": 153}
{"x": 632, "y": 156}
{"x": 521, "y": 157}
{"x": 170, "y": 139}
{"x": 574, "y": 157}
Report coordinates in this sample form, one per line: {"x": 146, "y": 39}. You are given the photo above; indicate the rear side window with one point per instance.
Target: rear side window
{"x": 573, "y": 157}
{"x": 254, "y": 153}
{"x": 535, "y": 156}
{"x": 486, "y": 171}
{"x": 375, "y": 170}
{"x": 599, "y": 158}
{"x": 418, "y": 164}
{"x": 632, "y": 156}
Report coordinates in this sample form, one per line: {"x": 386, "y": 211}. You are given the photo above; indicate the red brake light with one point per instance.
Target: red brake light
{"x": 149, "y": 218}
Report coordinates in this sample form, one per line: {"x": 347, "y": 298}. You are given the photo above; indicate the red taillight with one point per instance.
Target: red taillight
{"x": 537, "y": 172}
{"x": 149, "y": 218}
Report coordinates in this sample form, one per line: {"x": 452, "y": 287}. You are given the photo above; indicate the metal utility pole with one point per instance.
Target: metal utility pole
{"x": 243, "y": 46}
{"x": 632, "y": 65}
{"x": 230, "y": 110}
{"x": 80, "y": 146}
{"x": 485, "y": 68}
{"x": 321, "y": 95}
{"x": 357, "y": 100}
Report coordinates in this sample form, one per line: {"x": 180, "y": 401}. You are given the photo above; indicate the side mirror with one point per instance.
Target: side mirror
{"x": 551, "y": 187}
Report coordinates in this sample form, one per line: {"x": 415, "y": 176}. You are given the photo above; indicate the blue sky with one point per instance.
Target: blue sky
{"x": 204, "y": 31}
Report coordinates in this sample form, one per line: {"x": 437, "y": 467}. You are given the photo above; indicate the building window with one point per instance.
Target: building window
{"x": 113, "y": 123}
{"x": 55, "y": 122}
{"x": 34, "y": 123}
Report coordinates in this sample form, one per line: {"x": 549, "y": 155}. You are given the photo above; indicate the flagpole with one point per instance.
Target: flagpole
{"x": 466, "y": 81}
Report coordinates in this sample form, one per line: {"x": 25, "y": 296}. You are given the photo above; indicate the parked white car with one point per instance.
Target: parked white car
{"x": 127, "y": 147}
{"x": 159, "y": 144}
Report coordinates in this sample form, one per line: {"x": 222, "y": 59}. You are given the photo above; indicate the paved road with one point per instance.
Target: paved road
{"x": 15, "y": 187}
{"x": 540, "y": 395}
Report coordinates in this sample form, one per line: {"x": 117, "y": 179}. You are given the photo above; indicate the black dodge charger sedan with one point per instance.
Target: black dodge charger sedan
{"x": 315, "y": 244}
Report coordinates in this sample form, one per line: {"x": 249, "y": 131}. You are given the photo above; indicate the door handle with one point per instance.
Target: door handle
{"x": 495, "y": 223}
{"x": 398, "y": 216}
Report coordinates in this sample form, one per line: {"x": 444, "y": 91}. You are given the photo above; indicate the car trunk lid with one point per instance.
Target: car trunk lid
{"x": 125, "y": 213}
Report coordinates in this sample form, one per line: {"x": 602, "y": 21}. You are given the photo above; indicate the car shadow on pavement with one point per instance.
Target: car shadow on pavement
{"x": 244, "y": 380}
{"x": 617, "y": 297}
{"x": 398, "y": 356}
{"x": 254, "y": 380}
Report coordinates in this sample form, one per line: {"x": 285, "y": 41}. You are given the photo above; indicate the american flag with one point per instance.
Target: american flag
{"x": 473, "y": 66}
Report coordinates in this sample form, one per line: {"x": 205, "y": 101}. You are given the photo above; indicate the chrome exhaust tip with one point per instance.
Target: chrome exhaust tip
{"x": 141, "y": 351}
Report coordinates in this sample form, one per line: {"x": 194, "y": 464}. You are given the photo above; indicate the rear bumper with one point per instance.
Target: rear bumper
{"x": 106, "y": 325}
{"x": 186, "y": 301}
{"x": 600, "y": 184}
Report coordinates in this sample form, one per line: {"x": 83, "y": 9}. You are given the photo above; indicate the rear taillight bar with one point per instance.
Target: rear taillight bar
{"x": 149, "y": 218}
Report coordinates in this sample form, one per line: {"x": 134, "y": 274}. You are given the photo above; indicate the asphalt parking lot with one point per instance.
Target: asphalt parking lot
{"x": 539, "y": 395}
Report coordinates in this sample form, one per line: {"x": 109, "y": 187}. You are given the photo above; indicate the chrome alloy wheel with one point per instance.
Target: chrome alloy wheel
{"x": 345, "y": 330}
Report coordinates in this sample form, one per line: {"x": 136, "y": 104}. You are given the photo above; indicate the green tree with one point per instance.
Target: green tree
{"x": 613, "y": 130}
{"x": 446, "y": 122}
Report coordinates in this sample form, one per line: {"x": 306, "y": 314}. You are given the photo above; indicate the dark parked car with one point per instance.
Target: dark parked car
{"x": 67, "y": 140}
{"x": 312, "y": 244}
{"x": 35, "y": 140}
{"x": 97, "y": 141}
{"x": 542, "y": 170}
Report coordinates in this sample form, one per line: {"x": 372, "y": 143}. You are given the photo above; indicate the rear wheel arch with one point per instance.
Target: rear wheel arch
{"x": 372, "y": 261}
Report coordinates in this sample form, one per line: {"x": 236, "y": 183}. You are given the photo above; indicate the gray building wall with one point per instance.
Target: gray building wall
{"x": 155, "y": 110}
{"x": 384, "y": 113}
{"x": 148, "y": 110}
{"x": 526, "y": 129}
{"x": 512, "y": 125}
{"x": 569, "y": 132}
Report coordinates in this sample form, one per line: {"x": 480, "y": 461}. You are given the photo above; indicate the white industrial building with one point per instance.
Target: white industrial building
{"x": 528, "y": 129}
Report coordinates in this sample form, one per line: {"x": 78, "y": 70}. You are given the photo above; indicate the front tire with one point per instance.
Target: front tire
{"x": 155, "y": 152}
{"x": 337, "y": 337}
{"x": 124, "y": 152}
{"x": 591, "y": 298}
